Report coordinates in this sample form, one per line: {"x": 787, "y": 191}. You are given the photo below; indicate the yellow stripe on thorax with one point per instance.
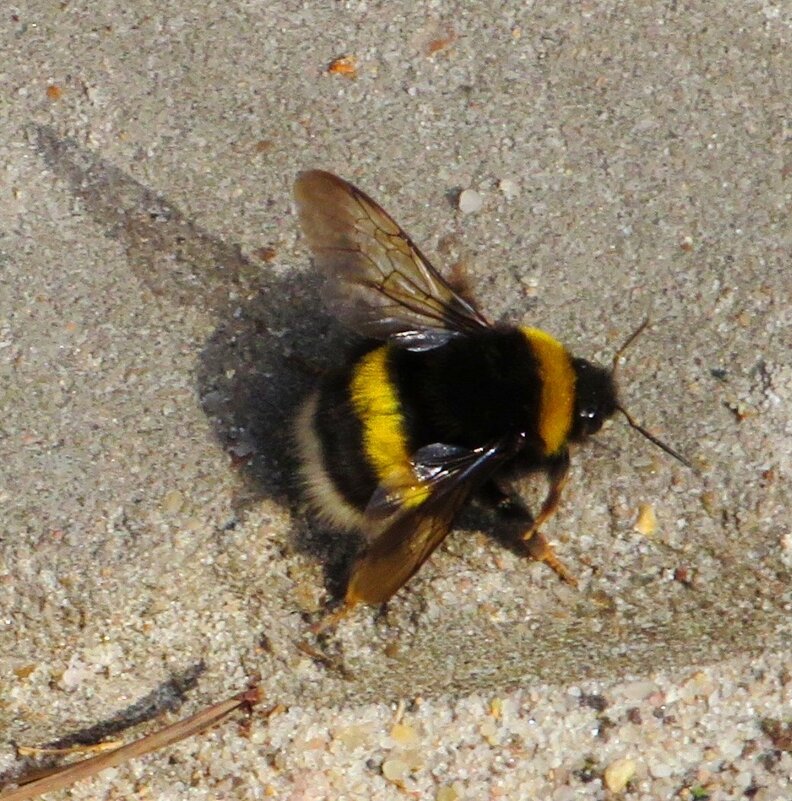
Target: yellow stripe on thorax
{"x": 377, "y": 405}
{"x": 557, "y": 404}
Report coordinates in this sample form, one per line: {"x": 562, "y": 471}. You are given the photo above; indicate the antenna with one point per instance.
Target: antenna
{"x": 627, "y": 342}
{"x": 633, "y": 424}
{"x": 652, "y": 438}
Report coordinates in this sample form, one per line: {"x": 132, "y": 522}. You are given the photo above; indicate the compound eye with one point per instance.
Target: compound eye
{"x": 592, "y": 419}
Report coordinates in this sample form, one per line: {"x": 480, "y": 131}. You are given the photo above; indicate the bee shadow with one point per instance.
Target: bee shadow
{"x": 250, "y": 374}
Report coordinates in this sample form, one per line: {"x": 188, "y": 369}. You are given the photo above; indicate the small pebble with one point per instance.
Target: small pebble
{"x": 343, "y": 65}
{"x": 618, "y": 773}
{"x": 173, "y": 502}
{"x": 403, "y": 734}
{"x": 447, "y": 793}
{"x": 647, "y": 520}
{"x": 509, "y": 188}
{"x": 470, "y": 201}
{"x": 743, "y": 779}
{"x": 638, "y": 690}
{"x": 351, "y": 736}
{"x": 488, "y": 731}
{"x": 730, "y": 749}
{"x": 395, "y": 770}
{"x": 413, "y": 759}
{"x": 660, "y": 770}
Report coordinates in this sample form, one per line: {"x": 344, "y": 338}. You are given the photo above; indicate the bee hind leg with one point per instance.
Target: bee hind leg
{"x": 531, "y": 541}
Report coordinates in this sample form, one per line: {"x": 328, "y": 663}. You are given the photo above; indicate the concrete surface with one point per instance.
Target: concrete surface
{"x": 158, "y": 308}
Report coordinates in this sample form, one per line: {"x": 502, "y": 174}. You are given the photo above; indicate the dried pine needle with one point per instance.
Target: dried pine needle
{"x": 63, "y": 777}
{"x": 95, "y": 748}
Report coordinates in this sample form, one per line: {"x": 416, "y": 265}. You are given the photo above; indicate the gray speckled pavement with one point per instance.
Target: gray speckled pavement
{"x": 156, "y": 310}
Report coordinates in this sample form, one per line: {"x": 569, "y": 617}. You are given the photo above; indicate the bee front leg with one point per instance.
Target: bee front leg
{"x": 538, "y": 547}
{"x": 542, "y": 551}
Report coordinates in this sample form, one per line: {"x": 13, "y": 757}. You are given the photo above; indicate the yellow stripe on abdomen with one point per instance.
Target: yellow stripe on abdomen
{"x": 376, "y": 403}
{"x": 557, "y": 403}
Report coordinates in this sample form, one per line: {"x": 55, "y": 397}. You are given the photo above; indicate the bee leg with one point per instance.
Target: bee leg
{"x": 332, "y": 619}
{"x": 542, "y": 551}
{"x": 323, "y": 659}
{"x": 557, "y": 474}
{"x": 538, "y": 547}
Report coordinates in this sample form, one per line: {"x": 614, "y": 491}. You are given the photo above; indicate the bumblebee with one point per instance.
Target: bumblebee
{"x": 438, "y": 405}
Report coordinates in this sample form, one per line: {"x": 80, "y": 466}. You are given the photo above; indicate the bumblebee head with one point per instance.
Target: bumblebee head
{"x": 595, "y": 399}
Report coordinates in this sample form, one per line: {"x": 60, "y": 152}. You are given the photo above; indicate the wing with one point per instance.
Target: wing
{"x": 378, "y": 282}
{"x": 412, "y": 532}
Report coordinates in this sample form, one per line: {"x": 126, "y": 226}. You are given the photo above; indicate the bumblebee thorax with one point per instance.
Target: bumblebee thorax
{"x": 558, "y": 380}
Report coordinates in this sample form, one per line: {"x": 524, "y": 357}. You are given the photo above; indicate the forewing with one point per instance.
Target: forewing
{"x": 378, "y": 282}
{"x": 411, "y": 533}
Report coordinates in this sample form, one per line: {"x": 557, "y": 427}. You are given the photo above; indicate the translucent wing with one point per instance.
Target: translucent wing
{"x": 379, "y": 283}
{"x": 412, "y": 532}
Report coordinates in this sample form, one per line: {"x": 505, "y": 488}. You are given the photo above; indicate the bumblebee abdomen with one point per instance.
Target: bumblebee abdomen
{"x": 352, "y": 438}
{"x": 377, "y": 404}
